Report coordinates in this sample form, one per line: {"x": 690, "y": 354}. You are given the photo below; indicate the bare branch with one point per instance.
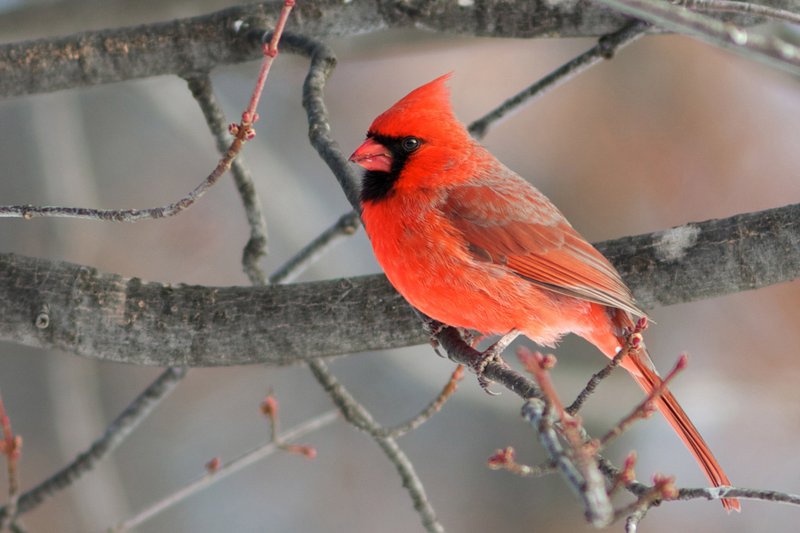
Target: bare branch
{"x": 718, "y": 493}
{"x": 645, "y": 408}
{"x": 256, "y": 247}
{"x": 115, "y": 434}
{"x": 733, "y": 6}
{"x": 582, "y": 477}
{"x": 594, "y": 381}
{"x": 110, "y": 317}
{"x": 310, "y": 253}
{"x": 185, "y": 47}
{"x": 768, "y": 49}
{"x": 504, "y": 459}
{"x": 433, "y": 407}
{"x": 604, "y": 49}
{"x": 226, "y": 469}
{"x": 358, "y": 416}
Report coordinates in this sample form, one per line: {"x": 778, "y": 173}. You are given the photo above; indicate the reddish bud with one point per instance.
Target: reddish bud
{"x": 213, "y": 465}
{"x": 501, "y": 458}
{"x": 269, "y": 406}
{"x": 635, "y": 340}
{"x": 547, "y": 361}
{"x": 642, "y": 324}
{"x": 307, "y": 451}
{"x": 665, "y": 485}
{"x": 233, "y": 129}
{"x": 269, "y": 50}
{"x": 628, "y": 473}
{"x": 683, "y": 362}
{"x": 11, "y": 448}
{"x": 250, "y": 134}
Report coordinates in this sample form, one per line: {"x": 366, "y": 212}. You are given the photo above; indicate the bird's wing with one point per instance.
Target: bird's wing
{"x": 508, "y": 222}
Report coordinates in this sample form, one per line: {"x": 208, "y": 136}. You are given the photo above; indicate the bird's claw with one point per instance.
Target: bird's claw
{"x": 492, "y": 355}
{"x": 479, "y": 367}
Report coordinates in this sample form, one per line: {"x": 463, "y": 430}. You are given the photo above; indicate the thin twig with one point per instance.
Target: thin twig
{"x": 635, "y": 334}
{"x": 357, "y": 415}
{"x": 314, "y": 250}
{"x": 242, "y": 132}
{"x": 28, "y": 212}
{"x": 270, "y": 49}
{"x": 633, "y": 519}
{"x": 663, "y": 489}
{"x": 733, "y": 6}
{"x": 581, "y": 475}
{"x": 605, "y": 48}
{"x": 594, "y": 381}
{"x": 115, "y": 434}
{"x": 322, "y": 62}
{"x": 433, "y": 407}
{"x": 645, "y": 407}
{"x": 505, "y": 459}
{"x": 577, "y": 462}
{"x": 226, "y": 469}
{"x": 718, "y": 493}
{"x": 256, "y": 246}
{"x": 768, "y": 49}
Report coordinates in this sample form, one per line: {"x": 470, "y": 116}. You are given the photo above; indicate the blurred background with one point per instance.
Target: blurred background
{"x": 670, "y": 131}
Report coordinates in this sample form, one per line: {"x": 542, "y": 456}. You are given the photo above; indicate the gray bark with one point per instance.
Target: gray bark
{"x": 189, "y": 46}
{"x": 77, "y": 309}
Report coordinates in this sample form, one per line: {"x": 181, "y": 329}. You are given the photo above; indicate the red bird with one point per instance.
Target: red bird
{"x": 471, "y": 244}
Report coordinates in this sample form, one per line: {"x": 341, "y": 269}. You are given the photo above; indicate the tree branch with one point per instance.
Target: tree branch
{"x": 114, "y": 435}
{"x": 191, "y": 46}
{"x": 764, "y": 48}
{"x": 54, "y": 304}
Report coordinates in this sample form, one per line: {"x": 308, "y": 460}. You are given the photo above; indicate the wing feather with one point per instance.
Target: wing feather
{"x": 508, "y": 222}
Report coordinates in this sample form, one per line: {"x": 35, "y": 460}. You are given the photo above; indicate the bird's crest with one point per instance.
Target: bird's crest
{"x": 424, "y": 109}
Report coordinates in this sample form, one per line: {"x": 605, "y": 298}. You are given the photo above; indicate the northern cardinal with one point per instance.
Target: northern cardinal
{"x": 471, "y": 244}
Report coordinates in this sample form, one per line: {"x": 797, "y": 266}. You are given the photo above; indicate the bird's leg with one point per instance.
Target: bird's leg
{"x": 492, "y": 354}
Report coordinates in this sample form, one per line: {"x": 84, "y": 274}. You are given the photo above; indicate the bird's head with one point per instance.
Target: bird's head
{"x": 413, "y": 143}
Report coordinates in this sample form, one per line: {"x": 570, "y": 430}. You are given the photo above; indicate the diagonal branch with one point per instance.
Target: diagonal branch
{"x": 256, "y": 247}
{"x": 114, "y": 435}
{"x": 604, "y": 49}
{"x": 357, "y": 415}
{"x": 768, "y": 49}
{"x": 226, "y": 469}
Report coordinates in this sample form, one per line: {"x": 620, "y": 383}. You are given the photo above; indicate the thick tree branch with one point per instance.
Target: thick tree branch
{"x": 191, "y": 46}
{"x": 77, "y": 309}
{"x": 766, "y": 48}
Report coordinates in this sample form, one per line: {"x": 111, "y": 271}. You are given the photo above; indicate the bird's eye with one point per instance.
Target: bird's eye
{"x": 409, "y": 144}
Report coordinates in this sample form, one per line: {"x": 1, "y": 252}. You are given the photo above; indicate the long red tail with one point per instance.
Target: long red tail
{"x": 640, "y": 366}
{"x": 679, "y": 420}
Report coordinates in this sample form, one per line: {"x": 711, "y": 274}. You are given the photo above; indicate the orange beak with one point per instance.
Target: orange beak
{"x": 372, "y": 155}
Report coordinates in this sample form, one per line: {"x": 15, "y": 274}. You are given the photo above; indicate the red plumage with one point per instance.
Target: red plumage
{"x": 470, "y": 243}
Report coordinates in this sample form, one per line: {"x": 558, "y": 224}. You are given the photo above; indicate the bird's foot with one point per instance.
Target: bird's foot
{"x": 493, "y": 354}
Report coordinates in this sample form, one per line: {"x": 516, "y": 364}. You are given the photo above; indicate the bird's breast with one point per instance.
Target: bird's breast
{"x": 428, "y": 261}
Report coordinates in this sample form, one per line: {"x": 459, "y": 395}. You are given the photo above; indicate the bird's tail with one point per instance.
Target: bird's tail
{"x": 648, "y": 380}
{"x": 641, "y": 367}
